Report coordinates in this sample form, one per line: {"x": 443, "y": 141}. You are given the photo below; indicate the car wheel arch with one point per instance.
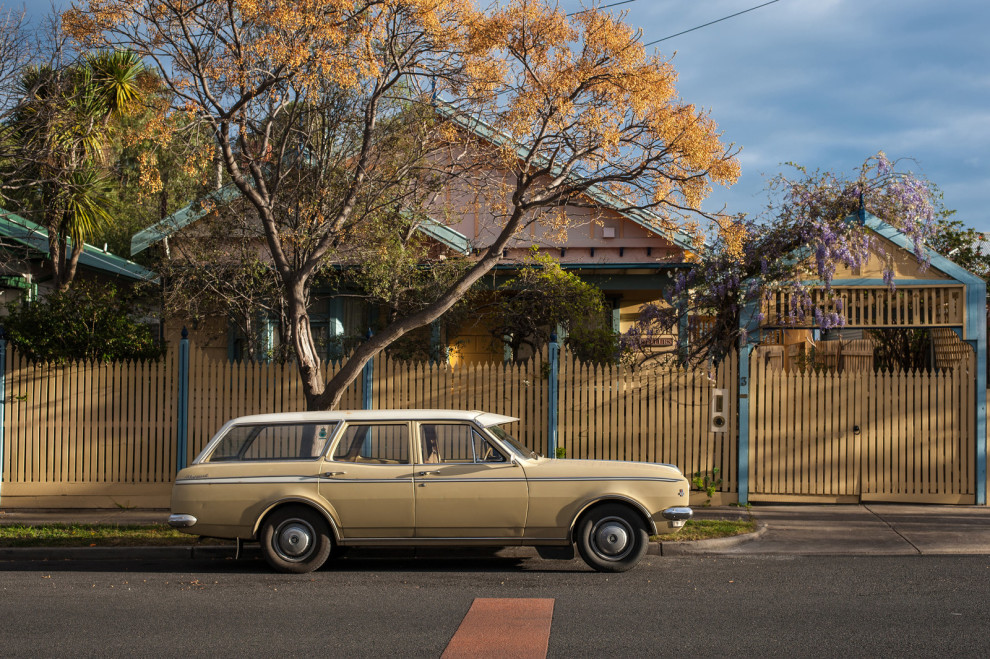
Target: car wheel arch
{"x": 297, "y": 501}
{"x": 632, "y": 504}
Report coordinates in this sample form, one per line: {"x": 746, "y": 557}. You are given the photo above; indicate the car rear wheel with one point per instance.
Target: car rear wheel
{"x": 295, "y": 539}
{"x": 612, "y": 538}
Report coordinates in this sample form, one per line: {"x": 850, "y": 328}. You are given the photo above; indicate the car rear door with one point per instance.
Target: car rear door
{"x": 368, "y": 480}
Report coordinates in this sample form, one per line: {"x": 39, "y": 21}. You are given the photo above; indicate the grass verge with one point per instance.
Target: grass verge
{"x": 706, "y": 529}
{"x": 161, "y": 535}
{"x": 96, "y": 535}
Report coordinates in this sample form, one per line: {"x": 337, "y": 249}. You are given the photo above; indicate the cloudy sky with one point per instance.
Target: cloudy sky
{"x": 827, "y": 83}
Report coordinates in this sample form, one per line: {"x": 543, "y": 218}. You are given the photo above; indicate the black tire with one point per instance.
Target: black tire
{"x": 612, "y": 538}
{"x": 295, "y": 539}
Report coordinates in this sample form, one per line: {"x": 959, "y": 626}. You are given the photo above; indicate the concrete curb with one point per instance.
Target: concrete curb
{"x": 178, "y": 552}
{"x": 715, "y": 545}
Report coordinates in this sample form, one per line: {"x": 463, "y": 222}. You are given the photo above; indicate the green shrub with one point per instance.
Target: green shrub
{"x": 88, "y": 322}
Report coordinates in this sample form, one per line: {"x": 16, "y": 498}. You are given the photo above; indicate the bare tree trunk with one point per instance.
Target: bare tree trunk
{"x": 334, "y": 390}
{"x": 307, "y": 358}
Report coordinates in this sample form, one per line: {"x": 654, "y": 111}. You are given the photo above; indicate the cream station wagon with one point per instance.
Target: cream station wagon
{"x": 304, "y": 483}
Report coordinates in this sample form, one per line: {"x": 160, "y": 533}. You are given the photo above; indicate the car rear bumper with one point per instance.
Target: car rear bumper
{"x": 181, "y": 521}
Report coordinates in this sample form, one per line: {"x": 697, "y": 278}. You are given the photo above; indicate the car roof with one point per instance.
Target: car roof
{"x": 483, "y": 419}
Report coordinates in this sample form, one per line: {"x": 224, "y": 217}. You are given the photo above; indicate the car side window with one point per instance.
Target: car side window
{"x": 455, "y": 443}
{"x": 276, "y": 442}
{"x": 374, "y": 444}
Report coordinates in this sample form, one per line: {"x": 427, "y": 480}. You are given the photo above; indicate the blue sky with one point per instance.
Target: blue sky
{"x": 827, "y": 83}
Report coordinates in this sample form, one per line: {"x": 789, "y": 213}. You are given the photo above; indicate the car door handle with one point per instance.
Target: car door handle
{"x": 331, "y": 474}
{"x": 428, "y": 473}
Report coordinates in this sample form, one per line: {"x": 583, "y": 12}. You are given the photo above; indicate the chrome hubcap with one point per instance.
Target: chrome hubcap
{"x": 293, "y": 539}
{"x": 613, "y": 538}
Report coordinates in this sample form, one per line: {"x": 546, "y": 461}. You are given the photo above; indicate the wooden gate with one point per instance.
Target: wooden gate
{"x": 862, "y": 436}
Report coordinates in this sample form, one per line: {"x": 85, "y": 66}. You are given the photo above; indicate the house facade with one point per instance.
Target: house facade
{"x": 624, "y": 252}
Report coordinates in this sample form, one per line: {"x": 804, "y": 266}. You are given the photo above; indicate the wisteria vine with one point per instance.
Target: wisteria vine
{"x": 812, "y": 226}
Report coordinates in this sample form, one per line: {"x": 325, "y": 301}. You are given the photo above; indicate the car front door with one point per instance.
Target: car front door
{"x": 368, "y": 481}
{"x": 465, "y": 487}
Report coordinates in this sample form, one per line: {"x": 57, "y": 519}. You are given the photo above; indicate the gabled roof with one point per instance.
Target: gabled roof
{"x": 197, "y": 209}
{"x": 436, "y": 230}
{"x": 181, "y": 218}
{"x": 35, "y": 236}
{"x": 644, "y": 218}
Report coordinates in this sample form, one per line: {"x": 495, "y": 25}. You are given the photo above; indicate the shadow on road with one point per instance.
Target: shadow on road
{"x": 354, "y": 562}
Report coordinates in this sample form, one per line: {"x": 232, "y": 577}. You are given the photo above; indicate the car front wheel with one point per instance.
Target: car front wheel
{"x": 612, "y": 538}
{"x": 295, "y": 539}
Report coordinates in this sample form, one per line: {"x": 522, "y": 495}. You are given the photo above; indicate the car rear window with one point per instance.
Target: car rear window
{"x": 288, "y": 441}
{"x": 374, "y": 444}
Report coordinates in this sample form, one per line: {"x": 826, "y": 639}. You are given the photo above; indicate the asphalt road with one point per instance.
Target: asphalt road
{"x": 359, "y": 607}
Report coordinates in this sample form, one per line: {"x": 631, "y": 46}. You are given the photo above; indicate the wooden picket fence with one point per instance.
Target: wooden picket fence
{"x": 86, "y": 435}
{"x": 220, "y": 390}
{"x": 513, "y": 389}
{"x": 651, "y": 415}
{"x": 83, "y": 435}
{"x": 862, "y": 436}
{"x": 89, "y": 432}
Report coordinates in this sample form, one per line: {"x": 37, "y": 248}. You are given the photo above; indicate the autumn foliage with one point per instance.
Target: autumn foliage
{"x": 325, "y": 114}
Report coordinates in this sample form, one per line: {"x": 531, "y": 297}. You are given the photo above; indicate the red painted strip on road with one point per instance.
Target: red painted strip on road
{"x": 505, "y": 628}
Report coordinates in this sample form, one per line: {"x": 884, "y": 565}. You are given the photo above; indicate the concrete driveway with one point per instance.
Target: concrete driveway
{"x": 865, "y": 529}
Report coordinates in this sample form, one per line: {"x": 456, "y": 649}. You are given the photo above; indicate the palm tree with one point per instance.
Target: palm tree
{"x": 64, "y": 131}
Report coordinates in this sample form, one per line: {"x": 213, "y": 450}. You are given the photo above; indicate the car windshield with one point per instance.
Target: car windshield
{"x": 514, "y": 444}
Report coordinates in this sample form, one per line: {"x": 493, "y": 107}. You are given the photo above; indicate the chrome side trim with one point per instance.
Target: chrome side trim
{"x": 241, "y": 480}
{"x": 244, "y": 480}
{"x": 660, "y": 479}
{"x": 267, "y": 480}
{"x": 181, "y": 521}
{"x": 440, "y": 478}
{"x": 324, "y": 481}
{"x": 551, "y": 479}
{"x": 678, "y": 513}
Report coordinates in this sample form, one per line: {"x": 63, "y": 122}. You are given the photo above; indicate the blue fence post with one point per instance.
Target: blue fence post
{"x": 3, "y": 400}
{"x": 182, "y": 437}
{"x": 553, "y": 401}
{"x": 743, "y": 451}
{"x": 748, "y": 325}
{"x": 367, "y": 380}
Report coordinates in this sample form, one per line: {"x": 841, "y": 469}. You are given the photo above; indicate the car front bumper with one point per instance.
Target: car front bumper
{"x": 677, "y": 515}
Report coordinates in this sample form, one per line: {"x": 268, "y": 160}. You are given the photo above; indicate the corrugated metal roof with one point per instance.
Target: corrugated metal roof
{"x": 182, "y": 218}
{"x": 35, "y": 236}
{"x": 196, "y": 210}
